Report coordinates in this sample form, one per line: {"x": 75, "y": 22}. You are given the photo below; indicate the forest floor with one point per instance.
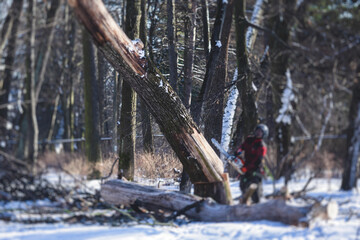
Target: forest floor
{"x": 82, "y": 215}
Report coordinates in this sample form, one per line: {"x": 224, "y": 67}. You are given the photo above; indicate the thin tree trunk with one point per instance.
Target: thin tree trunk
{"x": 190, "y": 35}
{"x": 351, "y": 164}
{"x": 13, "y": 15}
{"x": 198, "y": 158}
{"x": 206, "y": 28}
{"x": 92, "y": 135}
{"x": 171, "y": 21}
{"x": 34, "y": 139}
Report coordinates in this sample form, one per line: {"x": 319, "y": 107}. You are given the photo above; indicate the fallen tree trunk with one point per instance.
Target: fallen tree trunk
{"x": 198, "y": 158}
{"x": 125, "y": 193}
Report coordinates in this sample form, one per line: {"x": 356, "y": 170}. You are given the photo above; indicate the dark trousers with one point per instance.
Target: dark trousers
{"x": 246, "y": 180}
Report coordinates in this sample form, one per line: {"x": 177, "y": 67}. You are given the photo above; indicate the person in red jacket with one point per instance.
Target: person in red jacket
{"x": 254, "y": 149}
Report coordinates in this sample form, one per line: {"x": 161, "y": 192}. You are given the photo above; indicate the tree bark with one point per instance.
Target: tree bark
{"x": 92, "y": 135}
{"x": 171, "y": 41}
{"x": 214, "y": 103}
{"x": 280, "y": 20}
{"x": 206, "y": 30}
{"x": 190, "y": 35}
{"x": 198, "y": 158}
{"x": 189, "y": 39}
{"x": 249, "y": 115}
{"x": 128, "y": 106}
{"x": 211, "y": 61}
{"x": 124, "y": 193}
{"x": 15, "y": 12}
{"x": 146, "y": 126}
{"x": 12, "y": 16}
{"x": 351, "y": 164}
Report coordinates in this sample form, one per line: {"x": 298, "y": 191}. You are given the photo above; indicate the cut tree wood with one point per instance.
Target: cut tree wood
{"x": 198, "y": 158}
{"x": 118, "y": 192}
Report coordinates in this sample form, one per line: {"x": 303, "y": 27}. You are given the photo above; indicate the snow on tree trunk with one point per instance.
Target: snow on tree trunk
{"x": 230, "y": 108}
{"x": 286, "y": 110}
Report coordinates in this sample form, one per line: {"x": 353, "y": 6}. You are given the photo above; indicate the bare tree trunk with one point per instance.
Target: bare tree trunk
{"x": 190, "y": 35}
{"x": 128, "y": 107}
{"x": 211, "y": 61}
{"x": 92, "y": 135}
{"x": 171, "y": 41}
{"x": 198, "y": 158}
{"x": 67, "y": 82}
{"x": 214, "y": 99}
{"x": 5, "y": 83}
{"x": 13, "y": 15}
{"x": 33, "y": 153}
{"x": 351, "y": 164}
{"x": 206, "y": 28}
{"x": 146, "y": 126}
{"x": 280, "y": 20}
{"x": 249, "y": 115}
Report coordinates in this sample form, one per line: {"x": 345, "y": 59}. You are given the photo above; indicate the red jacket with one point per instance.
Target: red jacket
{"x": 255, "y": 150}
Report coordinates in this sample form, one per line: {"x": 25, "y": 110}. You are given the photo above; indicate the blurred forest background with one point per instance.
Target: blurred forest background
{"x": 295, "y": 65}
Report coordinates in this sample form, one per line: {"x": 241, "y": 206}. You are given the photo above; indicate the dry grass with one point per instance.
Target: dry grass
{"x": 156, "y": 165}
{"x": 151, "y": 166}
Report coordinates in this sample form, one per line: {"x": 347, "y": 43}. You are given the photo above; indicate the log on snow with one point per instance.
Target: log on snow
{"x": 118, "y": 192}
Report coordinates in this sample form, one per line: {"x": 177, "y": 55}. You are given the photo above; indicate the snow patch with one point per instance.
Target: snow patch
{"x": 218, "y": 44}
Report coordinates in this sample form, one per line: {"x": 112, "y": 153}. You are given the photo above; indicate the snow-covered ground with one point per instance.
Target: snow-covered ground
{"x": 345, "y": 226}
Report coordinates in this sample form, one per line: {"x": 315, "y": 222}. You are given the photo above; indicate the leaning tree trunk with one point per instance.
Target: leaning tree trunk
{"x": 351, "y": 164}
{"x": 198, "y": 158}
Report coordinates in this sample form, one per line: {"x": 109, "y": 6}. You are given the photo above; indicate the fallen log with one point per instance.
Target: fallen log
{"x": 118, "y": 192}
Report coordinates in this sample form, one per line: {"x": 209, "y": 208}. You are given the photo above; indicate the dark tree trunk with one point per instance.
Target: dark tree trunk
{"x": 280, "y": 21}
{"x": 211, "y": 61}
{"x": 249, "y": 116}
{"x": 14, "y": 13}
{"x": 205, "y": 22}
{"x": 146, "y": 126}
{"x": 92, "y": 135}
{"x": 198, "y": 158}
{"x": 171, "y": 41}
{"x": 214, "y": 103}
{"x": 128, "y": 106}
{"x": 190, "y": 35}
{"x": 351, "y": 164}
